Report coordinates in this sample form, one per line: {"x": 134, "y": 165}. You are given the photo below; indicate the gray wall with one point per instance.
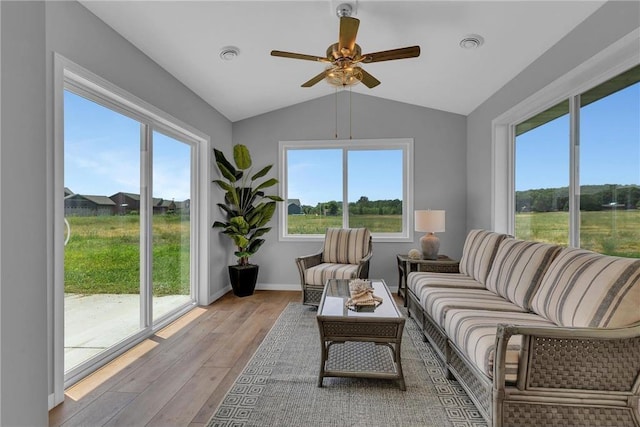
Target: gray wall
{"x": 30, "y": 33}
{"x": 23, "y": 256}
{"x": 439, "y": 166}
{"x": 608, "y": 24}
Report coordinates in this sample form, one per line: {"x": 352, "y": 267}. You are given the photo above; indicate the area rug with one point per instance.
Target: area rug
{"x": 278, "y": 387}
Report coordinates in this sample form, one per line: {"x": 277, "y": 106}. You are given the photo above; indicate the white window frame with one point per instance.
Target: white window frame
{"x": 617, "y": 58}
{"x": 346, "y": 145}
{"x": 68, "y": 74}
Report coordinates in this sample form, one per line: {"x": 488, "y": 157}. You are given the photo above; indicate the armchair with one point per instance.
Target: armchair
{"x": 345, "y": 254}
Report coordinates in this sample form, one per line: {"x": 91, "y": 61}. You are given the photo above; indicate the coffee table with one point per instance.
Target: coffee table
{"x": 359, "y": 343}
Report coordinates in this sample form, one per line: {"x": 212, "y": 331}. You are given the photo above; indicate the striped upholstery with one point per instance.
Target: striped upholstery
{"x": 478, "y": 252}
{"x": 418, "y": 281}
{"x": 474, "y": 333}
{"x": 319, "y": 274}
{"x": 586, "y": 289}
{"x": 518, "y": 269}
{"x": 438, "y": 301}
{"x": 345, "y": 245}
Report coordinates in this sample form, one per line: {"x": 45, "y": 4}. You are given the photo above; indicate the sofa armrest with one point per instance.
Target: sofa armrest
{"x": 572, "y": 359}
{"x": 305, "y": 262}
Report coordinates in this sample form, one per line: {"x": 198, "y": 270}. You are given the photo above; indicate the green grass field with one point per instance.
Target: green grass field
{"x": 311, "y": 224}
{"x": 609, "y": 232}
{"x": 103, "y": 255}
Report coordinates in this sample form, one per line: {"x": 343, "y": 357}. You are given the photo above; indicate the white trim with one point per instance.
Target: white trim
{"x": 346, "y": 145}
{"x": 0, "y": 210}
{"x": 618, "y": 57}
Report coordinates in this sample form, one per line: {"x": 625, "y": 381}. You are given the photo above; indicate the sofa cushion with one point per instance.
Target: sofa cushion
{"x": 438, "y": 301}
{"x": 417, "y": 281}
{"x": 585, "y": 289}
{"x": 474, "y": 333}
{"x": 318, "y": 275}
{"x": 345, "y": 245}
{"x": 478, "y": 252}
{"x": 518, "y": 268}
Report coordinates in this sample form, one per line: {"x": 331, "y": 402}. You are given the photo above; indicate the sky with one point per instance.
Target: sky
{"x": 609, "y": 146}
{"x": 102, "y": 154}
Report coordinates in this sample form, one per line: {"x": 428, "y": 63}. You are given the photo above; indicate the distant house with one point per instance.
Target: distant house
{"x": 87, "y": 205}
{"x": 126, "y": 203}
{"x": 68, "y": 192}
{"x": 294, "y": 207}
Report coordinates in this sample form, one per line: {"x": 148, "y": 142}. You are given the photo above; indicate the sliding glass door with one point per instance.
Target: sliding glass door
{"x": 127, "y": 208}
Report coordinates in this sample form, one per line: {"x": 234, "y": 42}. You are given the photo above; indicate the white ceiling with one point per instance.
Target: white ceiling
{"x": 185, "y": 38}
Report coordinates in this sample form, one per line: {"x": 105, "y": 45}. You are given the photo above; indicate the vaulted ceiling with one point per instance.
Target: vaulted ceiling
{"x": 185, "y": 38}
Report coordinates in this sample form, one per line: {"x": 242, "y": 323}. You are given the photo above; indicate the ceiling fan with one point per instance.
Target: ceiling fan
{"x": 346, "y": 56}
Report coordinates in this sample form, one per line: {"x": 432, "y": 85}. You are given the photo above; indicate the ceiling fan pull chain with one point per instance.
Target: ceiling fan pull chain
{"x": 336, "y": 97}
{"x": 350, "y": 135}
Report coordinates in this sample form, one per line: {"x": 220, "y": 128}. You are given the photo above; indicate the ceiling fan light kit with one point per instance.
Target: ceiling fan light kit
{"x": 346, "y": 56}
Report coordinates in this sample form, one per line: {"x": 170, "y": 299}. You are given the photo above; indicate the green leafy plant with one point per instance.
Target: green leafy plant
{"x": 246, "y": 206}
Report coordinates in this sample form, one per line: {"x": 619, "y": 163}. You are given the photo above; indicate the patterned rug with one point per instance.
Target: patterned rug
{"x": 278, "y": 387}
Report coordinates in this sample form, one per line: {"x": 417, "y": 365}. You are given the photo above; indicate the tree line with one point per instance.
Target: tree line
{"x": 592, "y": 198}
{"x": 363, "y": 206}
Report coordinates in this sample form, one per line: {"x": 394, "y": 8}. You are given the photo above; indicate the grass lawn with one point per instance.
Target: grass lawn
{"x": 609, "y": 232}
{"x": 103, "y": 255}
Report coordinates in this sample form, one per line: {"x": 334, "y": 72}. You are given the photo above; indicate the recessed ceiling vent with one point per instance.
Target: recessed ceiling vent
{"x": 472, "y": 41}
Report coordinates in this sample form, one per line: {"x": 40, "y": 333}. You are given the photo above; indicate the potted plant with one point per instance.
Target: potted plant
{"x": 247, "y": 209}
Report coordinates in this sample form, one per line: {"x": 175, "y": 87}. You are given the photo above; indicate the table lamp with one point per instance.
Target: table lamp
{"x": 430, "y": 222}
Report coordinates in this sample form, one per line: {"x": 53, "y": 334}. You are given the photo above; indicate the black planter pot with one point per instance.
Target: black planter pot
{"x": 243, "y": 279}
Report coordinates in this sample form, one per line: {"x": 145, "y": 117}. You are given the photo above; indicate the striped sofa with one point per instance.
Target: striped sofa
{"x": 345, "y": 254}
{"x": 537, "y": 334}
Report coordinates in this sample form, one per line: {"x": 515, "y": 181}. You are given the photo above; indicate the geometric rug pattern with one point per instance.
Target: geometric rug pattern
{"x": 278, "y": 387}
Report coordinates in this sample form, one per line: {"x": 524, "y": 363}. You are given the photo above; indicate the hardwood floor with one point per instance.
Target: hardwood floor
{"x": 178, "y": 376}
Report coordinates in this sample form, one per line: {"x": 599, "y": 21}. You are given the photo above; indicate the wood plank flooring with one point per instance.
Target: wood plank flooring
{"x": 178, "y": 376}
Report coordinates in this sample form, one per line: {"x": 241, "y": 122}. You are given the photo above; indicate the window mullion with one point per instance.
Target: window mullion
{"x": 345, "y": 188}
{"x": 574, "y": 171}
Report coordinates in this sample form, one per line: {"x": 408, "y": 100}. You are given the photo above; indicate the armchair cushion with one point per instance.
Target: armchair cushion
{"x": 345, "y": 245}
{"x": 319, "y": 274}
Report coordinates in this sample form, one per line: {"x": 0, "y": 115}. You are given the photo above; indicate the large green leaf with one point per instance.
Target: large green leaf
{"x": 241, "y": 224}
{"x": 226, "y": 172}
{"x": 262, "y": 172}
{"x": 275, "y": 198}
{"x": 267, "y": 213}
{"x": 268, "y": 183}
{"x": 220, "y": 158}
{"x": 241, "y": 156}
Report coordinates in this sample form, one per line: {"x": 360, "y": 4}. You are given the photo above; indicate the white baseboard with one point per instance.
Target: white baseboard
{"x": 278, "y": 287}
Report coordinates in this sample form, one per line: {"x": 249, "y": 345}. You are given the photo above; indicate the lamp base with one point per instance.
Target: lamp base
{"x": 430, "y": 246}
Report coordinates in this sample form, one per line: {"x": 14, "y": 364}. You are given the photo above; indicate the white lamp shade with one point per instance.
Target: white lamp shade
{"x": 430, "y": 221}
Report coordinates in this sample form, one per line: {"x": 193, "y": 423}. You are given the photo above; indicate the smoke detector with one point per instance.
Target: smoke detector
{"x": 229, "y": 53}
{"x": 472, "y": 41}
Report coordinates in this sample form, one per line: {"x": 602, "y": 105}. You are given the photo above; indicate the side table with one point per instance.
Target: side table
{"x": 406, "y": 265}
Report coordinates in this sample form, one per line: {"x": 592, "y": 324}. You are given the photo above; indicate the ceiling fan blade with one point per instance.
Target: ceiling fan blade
{"x": 388, "y": 55}
{"x": 298, "y": 56}
{"x": 314, "y": 80}
{"x": 348, "y": 31}
{"x": 368, "y": 80}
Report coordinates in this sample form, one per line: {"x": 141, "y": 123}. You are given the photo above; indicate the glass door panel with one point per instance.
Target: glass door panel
{"x": 102, "y": 205}
{"x": 171, "y": 236}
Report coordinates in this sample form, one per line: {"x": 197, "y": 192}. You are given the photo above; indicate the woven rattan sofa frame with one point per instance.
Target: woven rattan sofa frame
{"x": 566, "y": 376}
{"x": 311, "y": 294}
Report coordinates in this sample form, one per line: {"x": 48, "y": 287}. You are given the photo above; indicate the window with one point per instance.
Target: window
{"x": 577, "y": 170}
{"x": 350, "y": 183}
